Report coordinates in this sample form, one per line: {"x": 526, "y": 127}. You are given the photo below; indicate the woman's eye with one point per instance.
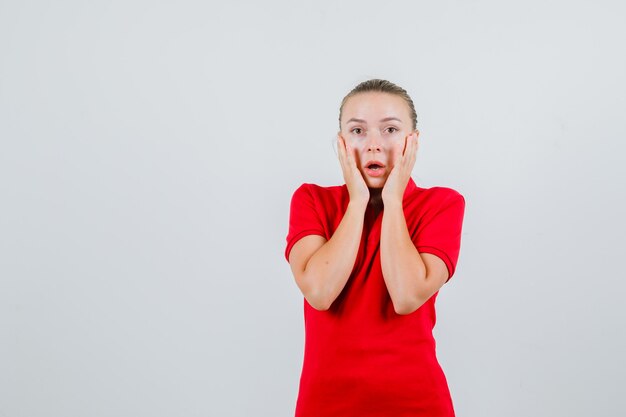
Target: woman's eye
{"x": 357, "y": 130}
{"x": 392, "y": 130}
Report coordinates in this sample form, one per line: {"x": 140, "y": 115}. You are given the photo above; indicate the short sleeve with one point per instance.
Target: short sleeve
{"x": 304, "y": 219}
{"x": 439, "y": 232}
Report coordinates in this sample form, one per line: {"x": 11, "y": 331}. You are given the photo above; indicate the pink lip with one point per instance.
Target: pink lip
{"x": 375, "y": 173}
{"x": 372, "y": 162}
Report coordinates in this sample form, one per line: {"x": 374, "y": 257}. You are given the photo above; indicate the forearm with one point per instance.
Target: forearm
{"x": 403, "y": 269}
{"x": 328, "y": 270}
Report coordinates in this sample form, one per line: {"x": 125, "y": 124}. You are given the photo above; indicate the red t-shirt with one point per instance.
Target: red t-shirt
{"x": 361, "y": 358}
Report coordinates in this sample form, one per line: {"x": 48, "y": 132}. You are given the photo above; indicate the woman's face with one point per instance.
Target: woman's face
{"x": 375, "y": 125}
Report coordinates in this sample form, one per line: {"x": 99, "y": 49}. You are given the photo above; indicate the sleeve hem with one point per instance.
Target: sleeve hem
{"x": 441, "y": 254}
{"x": 299, "y": 236}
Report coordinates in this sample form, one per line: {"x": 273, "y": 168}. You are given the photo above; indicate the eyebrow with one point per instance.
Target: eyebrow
{"x": 386, "y": 119}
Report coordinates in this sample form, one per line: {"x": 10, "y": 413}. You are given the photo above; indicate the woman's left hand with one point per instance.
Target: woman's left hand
{"x": 394, "y": 188}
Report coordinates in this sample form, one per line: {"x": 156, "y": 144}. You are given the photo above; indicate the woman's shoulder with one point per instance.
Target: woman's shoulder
{"x": 321, "y": 196}
{"x": 438, "y": 195}
{"x": 327, "y": 201}
{"x": 320, "y": 190}
{"x": 445, "y": 192}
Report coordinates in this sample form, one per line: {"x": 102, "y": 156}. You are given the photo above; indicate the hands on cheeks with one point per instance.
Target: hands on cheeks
{"x": 405, "y": 154}
{"x": 357, "y": 188}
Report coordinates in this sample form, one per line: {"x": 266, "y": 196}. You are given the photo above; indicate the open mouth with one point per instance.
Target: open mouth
{"x": 374, "y": 165}
{"x": 374, "y": 168}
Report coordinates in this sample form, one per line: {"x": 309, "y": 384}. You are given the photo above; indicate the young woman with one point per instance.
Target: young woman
{"x": 370, "y": 257}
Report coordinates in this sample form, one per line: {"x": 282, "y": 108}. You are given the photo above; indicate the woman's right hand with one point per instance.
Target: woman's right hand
{"x": 357, "y": 188}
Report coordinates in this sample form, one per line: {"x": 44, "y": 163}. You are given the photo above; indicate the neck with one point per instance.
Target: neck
{"x": 376, "y": 198}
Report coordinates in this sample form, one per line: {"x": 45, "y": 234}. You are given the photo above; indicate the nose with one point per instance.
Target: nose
{"x": 373, "y": 143}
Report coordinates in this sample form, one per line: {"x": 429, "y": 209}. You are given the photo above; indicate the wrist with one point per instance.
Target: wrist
{"x": 357, "y": 206}
{"x": 392, "y": 203}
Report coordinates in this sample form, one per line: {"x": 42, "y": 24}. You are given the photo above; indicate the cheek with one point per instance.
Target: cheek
{"x": 357, "y": 148}
{"x": 356, "y": 145}
{"x": 396, "y": 149}
{"x": 352, "y": 140}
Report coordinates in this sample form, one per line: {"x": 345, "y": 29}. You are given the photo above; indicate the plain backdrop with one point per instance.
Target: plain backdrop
{"x": 150, "y": 149}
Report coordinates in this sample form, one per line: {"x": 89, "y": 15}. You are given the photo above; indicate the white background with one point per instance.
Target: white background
{"x": 149, "y": 151}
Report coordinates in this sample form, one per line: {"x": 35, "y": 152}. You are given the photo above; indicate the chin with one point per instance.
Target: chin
{"x": 376, "y": 185}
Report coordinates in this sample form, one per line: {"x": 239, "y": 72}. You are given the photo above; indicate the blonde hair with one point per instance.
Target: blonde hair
{"x": 382, "y": 86}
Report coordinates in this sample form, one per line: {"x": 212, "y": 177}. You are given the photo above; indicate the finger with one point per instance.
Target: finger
{"x": 399, "y": 153}
{"x": 340, "y": 144}
{"x": 413, "y": 144}
{"x": 341, "y": 147}
{"x": 413, "y": 155}
{"x": 397, "y": 149}
{"x": 349, "y": 153}
{"x": 351, "y": 160}
{"x": 409, "y": 153}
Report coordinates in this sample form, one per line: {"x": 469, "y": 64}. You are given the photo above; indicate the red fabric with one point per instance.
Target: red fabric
{"x": 361, "y": 358}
